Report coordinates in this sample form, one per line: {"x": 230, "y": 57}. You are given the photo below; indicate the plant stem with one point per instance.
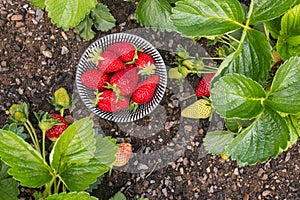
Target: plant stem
{"x": 32, "y": 134}
{"x": 62, "y": 112}
{"x": 43, "y": 145}
{"x": 232, "y": 38}
{"x": 48, "y": 186}
{"x": 211, "y": 58}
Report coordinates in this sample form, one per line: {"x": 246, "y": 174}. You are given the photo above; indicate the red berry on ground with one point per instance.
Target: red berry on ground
{"x": 94, "y": 79}
{"x": 56, "y": 130}
{"x": 123, "y": 155}
{"x": 203, "y": 88}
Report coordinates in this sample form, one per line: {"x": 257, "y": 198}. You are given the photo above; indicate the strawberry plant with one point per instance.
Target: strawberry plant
{"x": 75, "y": 160}
{"x": 242, "y": 90}
{"x": 256, "y": 88}
{"x": 75, "y": 13}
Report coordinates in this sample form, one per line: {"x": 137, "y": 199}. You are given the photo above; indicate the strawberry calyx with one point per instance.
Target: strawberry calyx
{"x": 133, "y": 106}
{"x": 94, "y": 55}
{"x": 147, "y": 69}
{"x": 116, "y": 90}
{"x": 46, "y": 121}
{"x": 134, "y": 57}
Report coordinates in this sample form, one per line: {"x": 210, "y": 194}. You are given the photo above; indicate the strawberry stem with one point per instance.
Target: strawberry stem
{"x": 43, "y": 145}
{"x": 33, "y": 135}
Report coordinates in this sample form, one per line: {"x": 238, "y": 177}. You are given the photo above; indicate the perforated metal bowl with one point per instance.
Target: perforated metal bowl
{"x": 85, "y": 64}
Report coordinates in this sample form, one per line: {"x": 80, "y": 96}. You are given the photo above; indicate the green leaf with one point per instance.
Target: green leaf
{"x": 118, "y": 196}
{"x": 289, "y": 40}
{"x": 274, "y": 27}
{"x": 264, "y": 10}
{"x": 38, "y": 3}
{"x": 284, "y": 95}
{"x": 8, "y": 186}
{"x": 154, "y": 14}
{"x": 102, "y": 18}
{"x": 235, "y": 125}
{"x": 76, "y": 145}
{"x": 294, "y": 128}
{"x": 68, "y": 13}
{"x": 71, "y": 196}
{"x": 27, "y": 165}
{"x": 106, "y": 150}
{"x": 215, "y": 141}
{"x": 78, "y": 177}
{"x": 260, "y": 141}
{"x": 18, "y": 130}
{"x": 9, "y": 189}
{"x": 236, "y": 96}
{"x": 252, "y": 59}
{"x": 84, "y": 29}
{"x": 207, "y": 18}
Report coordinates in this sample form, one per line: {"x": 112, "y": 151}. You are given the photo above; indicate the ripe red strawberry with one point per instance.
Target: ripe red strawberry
{"x": 94, "y": 79}
{"x": 203, "y": 88}
{"x": 124, "y": 50}
{"x": 145, "y": 90}
{"x": 145, "y": 63}
{"x": 109, "y": 102}
{"x": 129, "y": 66}
{"x": 124, "y": 82}
{"x": 123, "y": 155}
{"x": 109, "y": 62}
{"x": 56, "y": 130}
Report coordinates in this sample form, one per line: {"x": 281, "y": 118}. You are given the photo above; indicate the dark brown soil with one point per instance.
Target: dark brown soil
{"x": 169, "y": 160}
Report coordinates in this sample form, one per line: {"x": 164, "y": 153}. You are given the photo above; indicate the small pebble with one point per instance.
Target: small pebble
{"x": 64, "y": 50}
{"x": 47, "y": 54}
{"x": 64, "y": 35}
{"x": 165, "y": 192}
{"x": 16, "y": 17}
{"x": 266, "y": 193}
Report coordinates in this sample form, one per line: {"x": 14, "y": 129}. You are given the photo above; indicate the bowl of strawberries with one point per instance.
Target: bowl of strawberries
{"x": 121, "y": 77}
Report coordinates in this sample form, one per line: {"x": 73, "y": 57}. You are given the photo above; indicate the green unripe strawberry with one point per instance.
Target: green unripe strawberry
{"x": 197, "y": 110}
{"x": 19, "y": 112}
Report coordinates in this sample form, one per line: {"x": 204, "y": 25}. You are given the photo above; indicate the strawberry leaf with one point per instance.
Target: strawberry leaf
{"x": 154, "y": 14}
{"x": 38, "y": 3}
{"x": 76, "y": 145}
{"x": 106, "y": 149}
{"x": 68, "y": 13}
{"x": 71, "y": 196}
{"x": 289, "y": 40}
{"x": 284, "y": 95}
{"x": 264, "y": 10}
{"x": 27, "y": 165}
{"x": 263, "y": 139}
{"x": 102, "y": 18}
{"x": 78, "y": 177}
{"x": 84, "y": 29}
{"x": 8, "y": 186}
{"x": 118, "y": 196}
{"x": 252, "y": 59}
{"x": 236, "y": 96}
{"x": 207, "y": 18}
{"x": 215, "y": 141}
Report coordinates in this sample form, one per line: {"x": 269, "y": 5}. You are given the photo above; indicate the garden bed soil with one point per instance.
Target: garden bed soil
{"x": 169, "y": 160}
